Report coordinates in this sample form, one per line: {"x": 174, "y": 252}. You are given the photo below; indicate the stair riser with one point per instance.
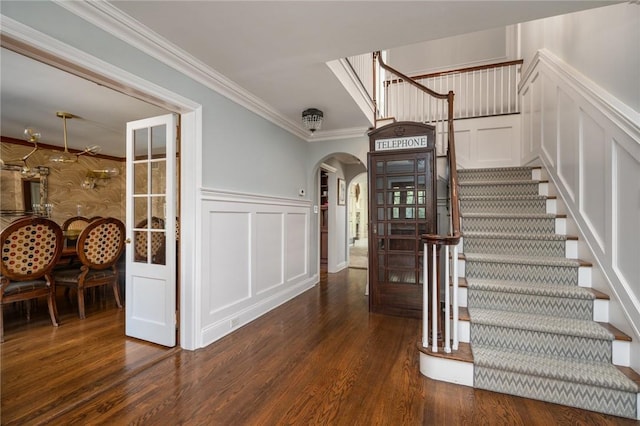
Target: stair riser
{"x": 584, "y": 274}
{"x": 548, "y": 248}
{"x": 549, "y": 344}
{"x": 509, "y": 189}
{"x": 509, "y": 225}
{"x": 533, "y": 304}
{"x": 593, "y": 398}
{"x": 561, "y": 275}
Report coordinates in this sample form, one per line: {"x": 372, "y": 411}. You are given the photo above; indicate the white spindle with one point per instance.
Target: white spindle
{"x": 509, "y": 89}
{"x": 447, "y": 312}
{"x": 516, "y": 69}
{"x": 455, "y": 298}
{"x": 425, "y": 296}
{"x": 434, "y": 300}
{"x": 501, "y": 90}
{"x": 493, "y": 71}
{"x": 487, "y": 97}
{"x": 473, "y": 93}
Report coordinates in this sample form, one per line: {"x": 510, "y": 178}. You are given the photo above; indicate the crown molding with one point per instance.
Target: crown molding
{"x": 112, "y": 20}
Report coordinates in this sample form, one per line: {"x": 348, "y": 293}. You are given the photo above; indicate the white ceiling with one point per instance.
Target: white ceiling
{"x": 277, "y": 51}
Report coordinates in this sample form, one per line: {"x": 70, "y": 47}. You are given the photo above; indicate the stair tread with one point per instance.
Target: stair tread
{"x": 512, "y": 215}
{"x": 526, "y": 260}
{"x": 554, "y": 290}
{"x": 497, "y": 169}
{"x": 567, "y": 369}
{"x": 464, "y": 283}
{"x": 518, "y": 236}
{"x": 501, "y": 182}
{"x": 540, "y": 323}
{"x": 505, "y": 197}
{"x": 617, "y": 333}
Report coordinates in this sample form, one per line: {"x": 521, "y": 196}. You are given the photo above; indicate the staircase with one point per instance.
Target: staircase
{"x": 535, "y": 327}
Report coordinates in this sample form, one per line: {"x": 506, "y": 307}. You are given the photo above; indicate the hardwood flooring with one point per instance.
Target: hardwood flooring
{"x": 321, "y": 358}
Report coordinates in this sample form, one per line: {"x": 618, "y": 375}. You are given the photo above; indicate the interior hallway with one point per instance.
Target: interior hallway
{"x": 321, "y": 358}
{"x": 358, "y": 257}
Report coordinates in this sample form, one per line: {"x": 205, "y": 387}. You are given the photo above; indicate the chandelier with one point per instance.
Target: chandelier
{"x": 66, "y": 156}
{"x": 312, "y": 119}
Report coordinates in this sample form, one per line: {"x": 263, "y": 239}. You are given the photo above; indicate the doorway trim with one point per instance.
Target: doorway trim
{"x": 36, "y": 45}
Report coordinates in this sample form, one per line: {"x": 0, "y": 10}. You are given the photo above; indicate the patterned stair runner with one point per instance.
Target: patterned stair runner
{"x": 532, "y": 328}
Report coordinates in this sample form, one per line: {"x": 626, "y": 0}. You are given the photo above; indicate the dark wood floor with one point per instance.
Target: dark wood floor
{"x": 318, "y": 359}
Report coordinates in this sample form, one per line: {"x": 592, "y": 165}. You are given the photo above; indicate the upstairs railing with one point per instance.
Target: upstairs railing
{"x": 481, "y": 91}
{"x": 437, "y": 297}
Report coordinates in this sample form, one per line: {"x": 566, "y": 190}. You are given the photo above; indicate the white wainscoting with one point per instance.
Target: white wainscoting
{"x": 255, "y": 256}
{"x": 488, "y": 141}
{"x": 590, "y": 144}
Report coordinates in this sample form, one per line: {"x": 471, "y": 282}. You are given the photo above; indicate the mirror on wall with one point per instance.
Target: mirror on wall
{"x": 21, "y": 193}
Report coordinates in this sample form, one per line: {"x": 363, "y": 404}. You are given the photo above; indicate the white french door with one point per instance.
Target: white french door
{"x": 151, "y": 230}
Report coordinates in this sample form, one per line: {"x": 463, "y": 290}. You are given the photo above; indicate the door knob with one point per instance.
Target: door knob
{"x": 128, "y": 241}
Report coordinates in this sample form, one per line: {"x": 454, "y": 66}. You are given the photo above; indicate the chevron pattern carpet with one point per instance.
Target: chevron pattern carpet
{"x": 532, "y": 328}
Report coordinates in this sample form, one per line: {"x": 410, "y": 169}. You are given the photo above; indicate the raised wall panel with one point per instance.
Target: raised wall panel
{"x": 495, "y": 145}
{"x": 626, "y": 202}
{"x": 463, "y": 145}
{"x": 488, "y": 142}
{"x": 254, "y": 257}
{"x": 228, "y": 261}
{"x": 536, "y": 117}
{"x": 594, "y": 179}
{"x": 568, "y": 143}
{"x": 269, "y": 250}
{"x": 296, "y": 245}
{"x": 525, "y": 111}
{"x": 549, "y": 116}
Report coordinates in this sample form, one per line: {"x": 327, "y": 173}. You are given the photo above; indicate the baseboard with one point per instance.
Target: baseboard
{"x": 227, "y": 325}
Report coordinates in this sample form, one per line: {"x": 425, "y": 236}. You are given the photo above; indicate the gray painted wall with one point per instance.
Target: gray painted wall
{"x": 589, "y": 41}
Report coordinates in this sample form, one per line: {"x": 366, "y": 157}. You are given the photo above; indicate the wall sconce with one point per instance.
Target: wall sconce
{"x": 96, "y": 178}
{"x": 312, "y": 119}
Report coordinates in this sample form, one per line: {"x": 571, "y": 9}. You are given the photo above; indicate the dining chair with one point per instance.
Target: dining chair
{"x": 73, "y": 225}
{"x": 99, "y": 246}
{"x": 30, "y": 249}
{"x": 158, "y": 248}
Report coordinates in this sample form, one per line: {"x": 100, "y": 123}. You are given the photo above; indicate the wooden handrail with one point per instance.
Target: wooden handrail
{"x": 469, "y": 69}
{"x": 453, "y": 172}
{"x": 410, "y": 80}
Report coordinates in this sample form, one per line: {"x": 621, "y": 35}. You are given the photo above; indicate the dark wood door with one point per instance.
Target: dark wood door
{"x": 402, "y": 206}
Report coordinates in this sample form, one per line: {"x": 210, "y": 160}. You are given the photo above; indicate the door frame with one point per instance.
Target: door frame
{"x": 36, "y": 45}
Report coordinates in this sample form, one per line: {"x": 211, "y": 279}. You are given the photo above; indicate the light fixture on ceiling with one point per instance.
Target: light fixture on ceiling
{"x": 312, "y": 119}
{"x": 31, "y": 135}
{"x": 97, "y": 178}
{"x": 66, "y": 156}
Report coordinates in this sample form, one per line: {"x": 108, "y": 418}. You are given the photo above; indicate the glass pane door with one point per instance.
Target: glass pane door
{"x": 402, "y": 208}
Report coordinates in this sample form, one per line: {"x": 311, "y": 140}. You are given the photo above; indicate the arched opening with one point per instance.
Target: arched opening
{"x": 333, "y": 204}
